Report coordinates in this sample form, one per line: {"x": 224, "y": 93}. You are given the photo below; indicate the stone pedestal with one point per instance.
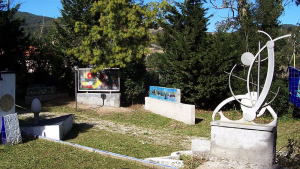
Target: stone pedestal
{"x": 243, "y": 142}
{"x": 95, "y": 99}
{"x": 55, "y": 128}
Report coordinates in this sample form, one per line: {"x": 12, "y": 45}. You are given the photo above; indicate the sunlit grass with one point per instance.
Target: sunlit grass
{"x": 86, "y": 134}
{"x": 45, "y": 154}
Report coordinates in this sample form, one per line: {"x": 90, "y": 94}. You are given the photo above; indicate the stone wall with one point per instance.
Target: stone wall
{"x": 177, "y": 111}
{"x": 29, "y": 99}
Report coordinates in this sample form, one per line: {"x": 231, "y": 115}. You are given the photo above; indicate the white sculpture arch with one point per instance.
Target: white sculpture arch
{"x": 252, "y": 102}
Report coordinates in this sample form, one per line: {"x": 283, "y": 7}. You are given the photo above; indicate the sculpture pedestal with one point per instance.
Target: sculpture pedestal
{"x": 243, "y": 142}
{"x": 55, "y": 128}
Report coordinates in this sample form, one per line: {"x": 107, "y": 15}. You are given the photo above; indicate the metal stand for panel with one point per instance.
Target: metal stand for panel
{"x": 75, "y": 69}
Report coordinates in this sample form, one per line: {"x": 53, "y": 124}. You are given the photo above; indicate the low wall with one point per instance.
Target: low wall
{"x": 254, "y": 144}
{"x": 177, "y": 111}
{"x": 29, "y": 99}
{"x": 56, "y": 128}
{"x": 94, "y": 99}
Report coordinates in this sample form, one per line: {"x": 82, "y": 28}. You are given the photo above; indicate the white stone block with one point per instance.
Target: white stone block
{"x": 241, "y": 142}
{"x": 55, "y": 128}
{"x": 177, "y": 111}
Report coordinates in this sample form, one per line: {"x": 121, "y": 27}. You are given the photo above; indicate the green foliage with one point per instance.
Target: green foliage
{"x": 133, "y": 84}
{"x": 193, "y": 60}
{"x": 47, "y": 63}
{"x": 120, "y": 36}
{"x": 65, "y": 36}
{"x": 13, "y": 43}
{"x": 12, "y": 40}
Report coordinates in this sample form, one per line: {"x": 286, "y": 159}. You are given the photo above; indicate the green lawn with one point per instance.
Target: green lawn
{"x": 44, "y": 154}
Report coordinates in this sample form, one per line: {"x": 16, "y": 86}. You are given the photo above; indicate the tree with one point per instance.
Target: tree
{"x": 13, "y": 42}
{"x": 193, "y": 61}
{"x": 66, "y": 37}
{"x": 120, "y": 36}
{"x": 263, "y": 15}
{"x": 237, "y": 10}
{"x": 133, "y": 83}
{"x": 63, "y": 37}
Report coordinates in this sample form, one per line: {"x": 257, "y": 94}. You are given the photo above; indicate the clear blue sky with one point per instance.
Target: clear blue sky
{"x": 51, "y": 8}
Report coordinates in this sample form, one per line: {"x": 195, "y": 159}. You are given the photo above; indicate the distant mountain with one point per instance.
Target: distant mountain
{"x": 288, "y": 26}
{"x": 35, "y": 25}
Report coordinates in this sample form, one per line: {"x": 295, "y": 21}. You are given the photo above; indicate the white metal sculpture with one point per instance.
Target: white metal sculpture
{"x": 253, "y": 102}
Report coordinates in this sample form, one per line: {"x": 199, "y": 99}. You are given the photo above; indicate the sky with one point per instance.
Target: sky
{"x": 51, "y": 8}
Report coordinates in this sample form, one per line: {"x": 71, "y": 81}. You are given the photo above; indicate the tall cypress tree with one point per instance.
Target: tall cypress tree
{"x": 184, "y": 41}
{"x": 189, "y": 62}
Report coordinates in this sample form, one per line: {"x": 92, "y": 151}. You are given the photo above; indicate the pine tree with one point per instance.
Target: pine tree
{"x": 13, "y": 42}
{"x": 65, "y": 37}
{"x": 193, "y": 61}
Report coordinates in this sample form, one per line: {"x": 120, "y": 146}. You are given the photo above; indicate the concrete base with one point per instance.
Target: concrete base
{"x": 254, "y": 144}
{"x": 173, "y": 160}
{"x": 55, "y": 128}
{"x": 177, "y": 111}
{"x": 95, "y": 99}
{"x": 201, "y": 147}
{"x": 29, "y": 99}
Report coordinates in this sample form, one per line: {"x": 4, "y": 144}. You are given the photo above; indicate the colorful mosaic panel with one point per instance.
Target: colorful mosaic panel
{"x": 107, "y": 80}
{"x": 294, "y": 86}
{"x": 167, "y": 94}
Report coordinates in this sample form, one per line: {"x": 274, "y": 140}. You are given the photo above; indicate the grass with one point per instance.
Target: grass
{"x": 137, "y": 146}
{"x": 45, "y": 154}
{"x": 192, "y": 161}
{"x": 143, "y": 118}
{"x": 118, "y": 143}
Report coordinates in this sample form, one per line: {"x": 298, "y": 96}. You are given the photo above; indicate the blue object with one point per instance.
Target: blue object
{"x": 294, "y": 86}
{"x": 162, "y": 93}
{"x": 3, "y": 133}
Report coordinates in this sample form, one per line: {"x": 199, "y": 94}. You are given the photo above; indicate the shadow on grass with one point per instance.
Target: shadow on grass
{"x": 76, "y": 129}
{"x": 198, "y": 120}
{"x": 58, "y": 102}
{"x": 27, "y": 138}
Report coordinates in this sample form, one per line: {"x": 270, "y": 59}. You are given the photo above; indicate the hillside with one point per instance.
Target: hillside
{"x": 35, "y": 25}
